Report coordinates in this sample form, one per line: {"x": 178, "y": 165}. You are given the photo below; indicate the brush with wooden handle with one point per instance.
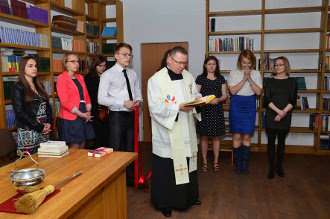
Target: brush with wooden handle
{"x": 30, "y": 202}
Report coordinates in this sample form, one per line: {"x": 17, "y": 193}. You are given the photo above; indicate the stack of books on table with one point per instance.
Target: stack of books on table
{"x": 55, "y": 149}
{"x": 100, "y": 152}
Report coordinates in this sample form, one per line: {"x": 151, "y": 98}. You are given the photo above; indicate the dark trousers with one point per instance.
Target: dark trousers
{"x": 101, "y": 132}
{"x": 281, "y": 135}
{"x": 121, "y": 127}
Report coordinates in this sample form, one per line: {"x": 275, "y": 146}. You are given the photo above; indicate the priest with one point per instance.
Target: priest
{"x": 174, "y": 142}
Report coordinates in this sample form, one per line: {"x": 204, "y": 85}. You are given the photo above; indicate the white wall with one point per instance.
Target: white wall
{"x": 157, "y": 21}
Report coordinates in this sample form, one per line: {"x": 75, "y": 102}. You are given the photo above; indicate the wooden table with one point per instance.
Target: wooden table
{"x": 100, "y": 192}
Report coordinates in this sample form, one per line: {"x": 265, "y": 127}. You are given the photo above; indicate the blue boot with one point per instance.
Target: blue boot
{"x": 238, "y": 159}
{"x": 245, "y": 158}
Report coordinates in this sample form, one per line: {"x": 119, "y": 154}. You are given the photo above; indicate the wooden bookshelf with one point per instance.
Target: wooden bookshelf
{"x": 95, "y": 14}
{"x": 262, "y": 33}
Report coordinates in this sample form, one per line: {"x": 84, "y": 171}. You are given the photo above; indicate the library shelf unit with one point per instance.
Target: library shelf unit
{"x": 266, "y": 30}
{"x": 90, "y": 11}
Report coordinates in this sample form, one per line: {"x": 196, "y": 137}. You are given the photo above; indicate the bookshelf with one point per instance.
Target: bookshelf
{"x": 259, "y": 19}
{"x": 91, "y": 11}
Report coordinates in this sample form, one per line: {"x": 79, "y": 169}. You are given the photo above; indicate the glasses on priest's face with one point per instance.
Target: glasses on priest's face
{"x": 179, "y": 63}
{"x": 126, "y": 55}
{"x": 73, "y": 61}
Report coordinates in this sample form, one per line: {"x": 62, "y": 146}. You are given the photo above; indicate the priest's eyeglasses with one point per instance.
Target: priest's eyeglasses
{"x": 180, "y": 63}
{"x": 126, "y": 55}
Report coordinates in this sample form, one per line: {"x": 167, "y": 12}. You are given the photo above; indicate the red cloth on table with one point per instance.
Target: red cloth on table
{"x": 9, "y": 204}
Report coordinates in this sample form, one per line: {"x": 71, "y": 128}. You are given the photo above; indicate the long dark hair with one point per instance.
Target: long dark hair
{"x": 217, "y": 69}
{"x": 163, "y": 63}
{"x": 97, "y": 60}
{"x": 30, "y": 95}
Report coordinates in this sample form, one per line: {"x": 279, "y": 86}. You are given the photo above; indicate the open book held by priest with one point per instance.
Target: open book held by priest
{"x": 201, "y": 101}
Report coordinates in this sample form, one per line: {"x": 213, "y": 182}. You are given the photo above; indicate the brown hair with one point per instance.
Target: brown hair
{"x": 178, "y": 49}
{"x": 65, "y": 58}
{"x": 286, "y": 64}
{"x": 248, "y": 55}
{"x": 30, "y": 94}
{"x": 217, "y": 69}
{"x": 97, "y": 60}
{"x": 121, "y": 45}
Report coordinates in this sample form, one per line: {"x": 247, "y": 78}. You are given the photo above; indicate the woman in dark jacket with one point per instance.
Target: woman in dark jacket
{"x": 31, "y": 106}
{"x": 92, "y": 80}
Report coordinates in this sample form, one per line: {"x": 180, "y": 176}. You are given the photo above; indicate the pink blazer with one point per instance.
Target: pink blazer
{"x": 69, "y": 95}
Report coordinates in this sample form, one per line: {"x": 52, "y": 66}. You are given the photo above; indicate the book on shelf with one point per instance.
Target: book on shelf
{"x": 231, "y": 44}
{"x": 100, "y": 152}
{"x": 304, "y": 103}
{"x": 212, "y": 25}
{"x": 109, "y": 31}
{"x": 298, "y": 103}
{"x": 201, "y": 101}
{"x": 301, "y": 82}
{"x": 324, "y": 142}
{"x": 314, "y": 121}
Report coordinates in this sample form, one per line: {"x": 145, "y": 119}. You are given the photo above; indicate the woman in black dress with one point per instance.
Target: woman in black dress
{"x": 213, "y": 122}
{"x": 280, "y": 98}
{"x": 92, "y": 80}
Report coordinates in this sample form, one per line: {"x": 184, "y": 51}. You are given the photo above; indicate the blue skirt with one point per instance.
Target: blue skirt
{"x": 77, "y": 130}
{"x": 242, "y": 114}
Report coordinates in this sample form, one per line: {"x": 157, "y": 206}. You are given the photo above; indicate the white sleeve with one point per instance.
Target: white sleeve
{"x": 161, "y": 112}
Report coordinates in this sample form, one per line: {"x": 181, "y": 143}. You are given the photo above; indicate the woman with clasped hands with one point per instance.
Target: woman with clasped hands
{"x": 280, "y": 98}
{"x": 76, "y": 105}
{"x": 244, "y": 84}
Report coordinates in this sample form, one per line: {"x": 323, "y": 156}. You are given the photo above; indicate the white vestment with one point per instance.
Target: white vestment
{"x": 173, "y": 139}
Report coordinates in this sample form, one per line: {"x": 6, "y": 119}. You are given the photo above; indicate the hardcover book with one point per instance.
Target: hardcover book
{"x": 203, "y": 100}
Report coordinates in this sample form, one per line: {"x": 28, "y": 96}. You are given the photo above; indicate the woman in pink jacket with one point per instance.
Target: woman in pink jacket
{"x": 76, "y": 105}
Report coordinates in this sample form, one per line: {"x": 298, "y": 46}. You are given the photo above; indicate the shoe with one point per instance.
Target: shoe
{"x": 167, "y": 212}
{"x": 245, "y": 158}
{"x": 238, "y": 159}
{"x": 279, "y": 171}
{"x": 270, "y": 174}
{"x": 197, "y": 202}
{"x": 204, "y": 167}
{"x": 216, "y": 167}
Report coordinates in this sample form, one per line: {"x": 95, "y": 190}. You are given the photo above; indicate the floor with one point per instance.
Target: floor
{"x": 304, "y": 192}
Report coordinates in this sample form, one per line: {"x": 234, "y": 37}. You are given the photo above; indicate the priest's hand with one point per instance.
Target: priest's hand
{"x": 186, "y": 108}
{"x": 198, "y": 97}
{"x": 129, "y": 104}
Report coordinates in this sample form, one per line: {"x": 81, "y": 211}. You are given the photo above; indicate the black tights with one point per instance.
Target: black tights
{"x": 281, "y": 135}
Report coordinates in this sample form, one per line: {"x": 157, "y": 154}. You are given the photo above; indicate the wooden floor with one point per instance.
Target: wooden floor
{"x": 304, "y": 192}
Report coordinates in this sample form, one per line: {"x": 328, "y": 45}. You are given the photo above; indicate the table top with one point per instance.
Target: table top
{"x": 97, "y": 172}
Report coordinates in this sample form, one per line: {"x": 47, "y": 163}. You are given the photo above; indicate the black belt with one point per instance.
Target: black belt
{"x": 123, "y": 112}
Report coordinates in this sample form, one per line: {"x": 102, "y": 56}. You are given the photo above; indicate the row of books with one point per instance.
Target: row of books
{"x": 302, "y": 103}
{"x": 24, "y": 10}
{"x": 48, "y": 87}
{"x": 7, "y": 89}
{"x": 57, "y": 65}
{"x": 17, "y": 36}
{"x": 268, "y": 62}
{"x": 315, "y": 122}
{"x": 92, "y": 47}
{"x": 92, "y": 29}
{"x": 326, "y": 83}
{"x": 64, "y": 43}
{"x": 326, "y": 104}
{"x": 10, "y": 118}
{"x": 69, "y": 23}
{"x": 9, "y": 63}
{"x": 324, "y": 142}
{"x": 109, "y": 31}
{"x": 231, "y": 44}
{"x": 108, "y": 48}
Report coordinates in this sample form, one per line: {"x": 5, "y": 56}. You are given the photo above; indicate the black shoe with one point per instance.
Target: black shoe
{"x": 271, "y": 174}
{"x": 167, "y": 212}
{"x": 197, "y": 202}
{"x": 280, "y": 171}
